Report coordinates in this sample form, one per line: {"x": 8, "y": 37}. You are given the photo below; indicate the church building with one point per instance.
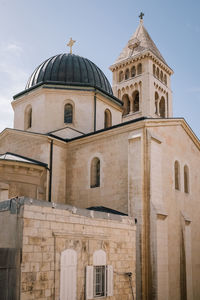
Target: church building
{"x": 100, "y": 185}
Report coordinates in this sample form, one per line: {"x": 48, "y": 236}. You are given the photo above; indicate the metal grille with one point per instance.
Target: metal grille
{"x": 99, "y": 281}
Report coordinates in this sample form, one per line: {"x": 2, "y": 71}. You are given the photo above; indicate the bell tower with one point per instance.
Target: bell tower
{"x": 141, "y": 78}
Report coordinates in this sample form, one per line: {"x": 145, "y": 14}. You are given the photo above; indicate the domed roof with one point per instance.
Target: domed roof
{"x": 69, "y": 69}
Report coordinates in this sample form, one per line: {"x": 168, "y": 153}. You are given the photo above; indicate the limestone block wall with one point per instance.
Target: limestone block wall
{"x": 48, "y": 231}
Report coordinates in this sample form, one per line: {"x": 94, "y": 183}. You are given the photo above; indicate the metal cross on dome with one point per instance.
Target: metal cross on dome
{"x": 70, "y": 44}
{"x": 141, "y": 15}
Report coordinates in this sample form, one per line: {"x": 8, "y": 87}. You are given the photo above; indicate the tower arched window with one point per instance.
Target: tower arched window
{"x": 157, "y": 73}
{"x": 161, "y": 75}
{"x": 156, "y": 102}
{"x": 139, "y": 69}
{"x": 95, "y": 173}
{"x": 133, "y": 71}
{"x": 121, "y": 76}
{"x": 162, "y": 107}
{"x": 136, "y": 101}
{"x": 165, "y": 79}
{"x": 126, "y": 104}
{"x": 107, "y": 118}
{"x": 28, "y": 117}
{"x": 68, "y": 113}
{"x": 154, "y": 70}
{"x": 186, "y": 179}
{"x": 127, "y": 74}
{"x": 177, "y": 175}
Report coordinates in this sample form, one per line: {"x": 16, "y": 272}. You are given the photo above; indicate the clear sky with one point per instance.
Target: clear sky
{"x": 34, "y": 30}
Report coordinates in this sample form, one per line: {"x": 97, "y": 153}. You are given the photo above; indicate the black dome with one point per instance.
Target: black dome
{"x": 70, "y": 69}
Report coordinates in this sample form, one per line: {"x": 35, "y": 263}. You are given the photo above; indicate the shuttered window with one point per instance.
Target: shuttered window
{"x": 99, "y": 277}
{"x": 68, "y": 275}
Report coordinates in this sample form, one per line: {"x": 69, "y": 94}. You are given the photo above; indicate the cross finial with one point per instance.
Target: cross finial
{"x": 70, "y": 44}
{"x": 141, "y": 15}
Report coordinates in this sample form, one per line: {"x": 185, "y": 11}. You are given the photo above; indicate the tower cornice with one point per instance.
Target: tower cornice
{"x": 141, "y": 55}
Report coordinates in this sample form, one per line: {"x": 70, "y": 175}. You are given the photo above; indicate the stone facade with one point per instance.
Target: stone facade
{"x": 147, "y": 166}
{"x": 48, "y": 230}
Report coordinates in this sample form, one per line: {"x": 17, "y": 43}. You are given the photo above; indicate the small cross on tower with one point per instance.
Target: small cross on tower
{"x": 70, "y": 44}
{"x": 141, "y": 16}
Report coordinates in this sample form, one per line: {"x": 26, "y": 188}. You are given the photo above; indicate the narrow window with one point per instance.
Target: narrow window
{"x": 133, "y": 71}
{"x": 156, "y": 102}
{"x": 68, "y": 275}
{"x": 165, "y": 79}
{"x": 28, "y": 117}
{"x": 136, "y": 102}
{"x": 107, "y": 118}
{"x": 177, "y": 175}
{"x": 139, "y": 69}
{"x": 127, "y": 74}
{"x": 154, "y": 70}
{"x": 161, "y": 75}
{"x": 68, "y": 113}
{"x": 126, "y": 104}
{"x": 186, "y": 179}
{"x": 162, "y": 107}
{"x": 157, "y": 73}
{"x": 119, "y": 94}
{"x": 95, "y": 173}
{"x": 121, "y": 76}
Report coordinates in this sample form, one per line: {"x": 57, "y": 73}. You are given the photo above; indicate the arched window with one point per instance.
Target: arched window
{"x": 107, "y": 118}
{"x": 95, "y": 173}
{"x": 165, "y": 79}
{"x": 177, "y": 175}
{"x": 136, "y": 101}
{"x": 186, "y": 179}
{"x": 154, "y": 70}
{"x": 28, "y": 117}
{"x": 126, "y": 104}
{"x": 157, "y": 73}
{"x": 68, "y": 113}
{"x": 139, "y": 69}
{"x": 68, "y": 274}
{"x": 127, "y": 74}
{"x": 156, "y": 102}
{"x": 162, "y": 107}
{"x": 121, "y": 76}
{"x": 133, "y": 71}
{"x": 161, "y": 75}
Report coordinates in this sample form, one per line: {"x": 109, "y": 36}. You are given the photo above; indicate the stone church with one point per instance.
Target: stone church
{"x": 100, "y": 185}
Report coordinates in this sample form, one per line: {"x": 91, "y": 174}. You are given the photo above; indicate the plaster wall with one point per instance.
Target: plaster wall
{"x": 176, "y": 144}
{"x": 48, "y": 110}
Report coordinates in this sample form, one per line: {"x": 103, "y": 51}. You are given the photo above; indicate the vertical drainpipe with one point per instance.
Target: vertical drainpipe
{"x": 50, "y": 169}
{"x": 95, "y": 110}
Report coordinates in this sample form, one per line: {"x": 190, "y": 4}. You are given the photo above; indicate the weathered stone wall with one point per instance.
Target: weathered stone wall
{"x": 49, "y": 231}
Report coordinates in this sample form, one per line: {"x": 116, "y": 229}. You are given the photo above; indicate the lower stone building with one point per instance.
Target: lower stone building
{"x": 53, "y": 251}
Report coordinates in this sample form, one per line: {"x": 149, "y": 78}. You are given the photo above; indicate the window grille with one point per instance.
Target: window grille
{"x": 99, "y": 281}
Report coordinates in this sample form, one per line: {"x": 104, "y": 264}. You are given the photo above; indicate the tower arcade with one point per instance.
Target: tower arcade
{"x": 141, "y": 78}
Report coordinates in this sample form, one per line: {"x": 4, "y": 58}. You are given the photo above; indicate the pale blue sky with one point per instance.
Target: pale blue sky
{"x": 31, "y": 31}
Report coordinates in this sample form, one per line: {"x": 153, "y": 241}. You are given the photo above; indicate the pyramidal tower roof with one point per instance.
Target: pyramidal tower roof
{"x": 139, "y": 43}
